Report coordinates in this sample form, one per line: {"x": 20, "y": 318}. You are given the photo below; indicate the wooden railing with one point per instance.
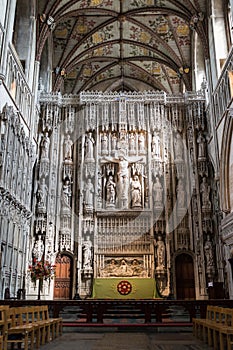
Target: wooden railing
{"x": 147, "y": 312}
{"x": 17, "y": 84}
{"x": 222, "y": 93}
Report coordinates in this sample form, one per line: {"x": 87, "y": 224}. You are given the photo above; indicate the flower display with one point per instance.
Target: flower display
{"x": 41, "y": 270}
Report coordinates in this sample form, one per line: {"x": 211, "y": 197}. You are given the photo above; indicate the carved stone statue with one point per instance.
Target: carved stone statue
{"x": 123, "y": 192}
{"x": 201, "y": 146}
{"x": 180, "y": 194}
{"x": 132, "y": 144}
{"x": 110, "y": 270}
{"x": 45, "y": 143}
{"x": 38, "y": 250}
{"x": 157, "y": 192}
{"x": 178, "y": 143}
{"x": 42, "y": 193}
{"x": 124, "y": 269}
{"x": 68, "y": 148}
{"x": 156, "y": 149}
{"x": 208, "y": 248}
{"x": 89, "y": 143}
{"x": 141, "y": 143}
{"x": 110, "y": 192}
{"x": 136, "y": 192}
{"x": 123, "y": 177}
{"x": 66, "y": 192}
{"x": 104, "y": 143}
{"x": 114, "y": 141}
{"x": 87, "y": 254}
{"x": 89, "y": 191}
{"x": 205, "y": 191}
{"x": 160, "y": 253}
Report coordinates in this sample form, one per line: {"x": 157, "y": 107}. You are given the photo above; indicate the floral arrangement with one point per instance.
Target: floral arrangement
{"x": 41, "y": 270}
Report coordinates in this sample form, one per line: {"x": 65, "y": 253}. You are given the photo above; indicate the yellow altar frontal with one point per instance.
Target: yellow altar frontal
{"x": 124, "y": 288}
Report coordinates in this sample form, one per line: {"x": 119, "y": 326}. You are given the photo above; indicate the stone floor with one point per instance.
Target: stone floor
{"x": 109, "y": 340}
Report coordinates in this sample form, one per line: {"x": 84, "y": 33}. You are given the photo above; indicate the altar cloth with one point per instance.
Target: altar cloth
{"x": 125, "y": 288}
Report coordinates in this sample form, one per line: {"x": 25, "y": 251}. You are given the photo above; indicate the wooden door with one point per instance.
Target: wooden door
{"x": 185, "y": 283}
{"x": 63, "y": 280}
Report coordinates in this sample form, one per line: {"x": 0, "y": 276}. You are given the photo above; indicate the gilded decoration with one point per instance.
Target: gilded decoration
{"x": 160, "y": 25}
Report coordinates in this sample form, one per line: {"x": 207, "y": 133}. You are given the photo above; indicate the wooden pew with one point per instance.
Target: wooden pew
{"x": 223, "y": 330}
{"x": 216, "y": 328}
{"x": 3, "y": 325}
{"x": 28, "y": 324}
{"x": 199, "y": 329}
{"x": 50, "y": 327}
{"x": 56, "y": 323}
{"x": 20, "y": 329}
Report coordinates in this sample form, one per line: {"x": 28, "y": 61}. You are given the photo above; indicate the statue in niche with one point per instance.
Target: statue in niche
{"x": 99, "y": 185}
{"x": 156, "y": 150}
{"x": 87, "y": 254}
{"x": 141, "y": 143}
{"x": 104, "y": 143}
{"x": 110, "y": 192}
{"x": 38, "y": 249}
{"x": 157, "y": 192}
{"x": 208, "y": 248}
{"x": 132, "y": 144}
{"x": 201, "y": 146}
{"x": 42, "y": 193}
{"x": 180, "y": 194}
{"x": 89, "y": 191}
{"x": 123, "y": 177}
{"x": 45, "y": 143}
{"x": 66, "y": 192}
{"x": 114, "y": 141}
{"x": 136, "y": 192}
{"x": 89, "y": 143}
{"x": 123, "y": 192}
{"x": 160, "y": 252}
{"x": 123, "y": 143}
{"x": 178, "y": 143}
{"x": 68, "y": 143}
{"x": 205, "y": 191}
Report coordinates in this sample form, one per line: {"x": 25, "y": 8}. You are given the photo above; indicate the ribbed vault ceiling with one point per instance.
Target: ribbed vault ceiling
{"x": 122, "y": 44}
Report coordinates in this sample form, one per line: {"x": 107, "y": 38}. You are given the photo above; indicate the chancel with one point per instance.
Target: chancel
{"x": 116, "y": 149}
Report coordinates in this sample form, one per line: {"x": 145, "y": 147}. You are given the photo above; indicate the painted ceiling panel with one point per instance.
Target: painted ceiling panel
{"x": 106, "y": 43}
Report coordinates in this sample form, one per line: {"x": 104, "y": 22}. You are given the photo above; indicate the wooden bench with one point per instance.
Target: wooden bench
{"x": 216, "y": 328}
{"x": 3, "y": 324}
{"x": 28, "y": 324}
{"x": 52, "y": 326}
{"x": 20, "y": 329}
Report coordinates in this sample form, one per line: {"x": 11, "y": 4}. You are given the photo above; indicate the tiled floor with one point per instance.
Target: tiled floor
{"x": 125, "y": 341}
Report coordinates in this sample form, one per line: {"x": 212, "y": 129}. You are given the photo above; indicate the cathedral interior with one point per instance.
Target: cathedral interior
{"x": 116, "y": 149}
